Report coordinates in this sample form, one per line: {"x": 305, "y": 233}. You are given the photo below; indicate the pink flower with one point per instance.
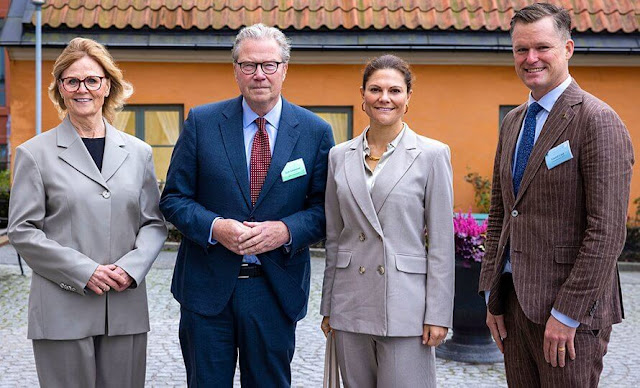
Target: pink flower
{"x": 469, "y": 237}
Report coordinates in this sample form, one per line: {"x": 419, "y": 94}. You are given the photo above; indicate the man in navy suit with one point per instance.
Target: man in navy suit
{"x": 246, "y": 189}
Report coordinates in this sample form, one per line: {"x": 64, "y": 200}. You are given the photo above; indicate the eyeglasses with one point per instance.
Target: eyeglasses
{"x": 268, "y": 68}
{"x": 72, "y": 84}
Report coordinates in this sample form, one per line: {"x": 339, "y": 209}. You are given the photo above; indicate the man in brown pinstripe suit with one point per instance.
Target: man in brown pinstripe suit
{"x": 557, "y": 221}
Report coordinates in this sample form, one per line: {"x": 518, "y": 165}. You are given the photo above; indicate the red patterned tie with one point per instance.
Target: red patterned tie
{"x": 260, "y": 159}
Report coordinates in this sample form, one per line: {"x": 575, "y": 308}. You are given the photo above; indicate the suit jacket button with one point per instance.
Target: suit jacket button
{"x": 361, "y": 270}
{"x": 106, "y": 194}
{"x": 73, "y": 289}
{"x": 381, "y": 269}
{"x": 61, "y": 285}
{"x": 514, "y": 213}
{"x": 592, "y": 311}
{"x": 362, "y": 237}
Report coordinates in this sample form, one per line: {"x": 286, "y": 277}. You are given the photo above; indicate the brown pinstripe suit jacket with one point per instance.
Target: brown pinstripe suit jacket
{"x": 566, "y": 227}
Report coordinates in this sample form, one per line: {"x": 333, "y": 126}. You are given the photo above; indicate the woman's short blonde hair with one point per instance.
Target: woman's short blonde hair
{"x": 77, "y": 49}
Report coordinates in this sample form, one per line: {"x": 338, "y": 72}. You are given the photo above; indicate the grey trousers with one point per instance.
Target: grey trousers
{"x": 385, "y": 362}
{"x": 92, "y": 362}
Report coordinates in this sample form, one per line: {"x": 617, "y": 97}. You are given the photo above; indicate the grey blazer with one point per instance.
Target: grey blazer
{"x": 66, "y": 217}
{"x": 378, "y": 277}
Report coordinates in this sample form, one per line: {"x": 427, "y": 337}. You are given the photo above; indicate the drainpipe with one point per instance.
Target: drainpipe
{"x": 38, "y": 4}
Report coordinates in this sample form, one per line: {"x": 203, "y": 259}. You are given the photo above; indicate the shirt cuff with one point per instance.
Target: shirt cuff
{"x": 565, "y": 320}
{"x": 211, "y": 240}
{"x": 486, "y": 296}
{"x": 287, "y": 246}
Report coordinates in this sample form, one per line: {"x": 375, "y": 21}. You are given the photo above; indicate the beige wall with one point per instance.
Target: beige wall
{"x": 454, "y": 104}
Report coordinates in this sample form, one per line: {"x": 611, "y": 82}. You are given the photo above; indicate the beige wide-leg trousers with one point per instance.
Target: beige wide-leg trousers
{"x": 385, "y": 362}
{"x": 92, "y": 362}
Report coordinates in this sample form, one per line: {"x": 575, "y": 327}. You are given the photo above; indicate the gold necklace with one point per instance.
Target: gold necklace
{"x": 374, "y": 158}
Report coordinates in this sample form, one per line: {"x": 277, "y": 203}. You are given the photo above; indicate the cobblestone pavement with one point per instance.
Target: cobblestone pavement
{"x": 164, "y": 361}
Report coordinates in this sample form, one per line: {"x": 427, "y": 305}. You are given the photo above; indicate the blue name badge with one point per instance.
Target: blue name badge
{"x": 558, "y": 155}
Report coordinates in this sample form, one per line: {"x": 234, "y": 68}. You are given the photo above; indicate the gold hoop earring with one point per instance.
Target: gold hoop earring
{"x": 406, "y": 108}
{"x": 363, "y": 106}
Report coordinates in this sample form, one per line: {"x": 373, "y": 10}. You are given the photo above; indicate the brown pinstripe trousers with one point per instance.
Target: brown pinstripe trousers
{"x": 524, "y": 359}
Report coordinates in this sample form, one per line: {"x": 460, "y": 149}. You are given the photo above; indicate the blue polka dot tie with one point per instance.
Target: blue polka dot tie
{"x": 526, "y": 145}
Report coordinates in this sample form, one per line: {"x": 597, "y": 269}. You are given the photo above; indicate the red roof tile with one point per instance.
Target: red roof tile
{"x": 593, "y": 15}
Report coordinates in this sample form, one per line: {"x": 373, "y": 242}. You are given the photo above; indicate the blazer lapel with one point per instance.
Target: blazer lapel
{"x": 355, "y": 174}
{"x": 114, "y": 152}
{"x": 233, "y": 139}
{"x": 75, "y": 153}
{"x": 559, "y": 118}
{"x": 288, "y": 133}
{"x": 397, "y": 165}
{"x": 511, "y": 139}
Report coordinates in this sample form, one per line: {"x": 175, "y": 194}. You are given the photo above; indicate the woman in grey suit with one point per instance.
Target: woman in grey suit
{"x": 84, "y": 215}
{"x": 387, "y": 300}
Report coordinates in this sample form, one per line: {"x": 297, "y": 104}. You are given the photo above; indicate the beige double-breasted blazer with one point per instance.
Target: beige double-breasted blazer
{"x": 66, "y": 217}
{"x": 378, "y": 278}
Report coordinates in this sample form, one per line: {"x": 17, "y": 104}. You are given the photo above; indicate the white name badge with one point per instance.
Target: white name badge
{"x": 558, "y": 155}
{"x": 293, "y": 169}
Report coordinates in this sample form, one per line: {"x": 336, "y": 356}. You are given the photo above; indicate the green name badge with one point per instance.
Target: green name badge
{"x": 293, "y": 169}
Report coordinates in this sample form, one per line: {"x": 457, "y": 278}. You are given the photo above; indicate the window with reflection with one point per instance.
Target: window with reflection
{"x": 340, "y": 118}
{"x": 158, "y": 125}
{"x": 504, "y": 109}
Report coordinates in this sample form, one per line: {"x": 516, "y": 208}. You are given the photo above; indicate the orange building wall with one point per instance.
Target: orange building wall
{"x": 458, "y": 105}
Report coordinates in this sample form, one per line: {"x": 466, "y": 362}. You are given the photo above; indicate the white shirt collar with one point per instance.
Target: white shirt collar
{"x": 548, "y": 100}
{"x": 392, "y": 145}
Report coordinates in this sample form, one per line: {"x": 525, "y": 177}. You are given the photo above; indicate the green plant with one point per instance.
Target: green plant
{"x": 174, "y": 234}
{"x": 481, "y": 189}
{"x": 5, "y": 183}
{"x": 5, "y": 187}
{"x": 631, "y": 250}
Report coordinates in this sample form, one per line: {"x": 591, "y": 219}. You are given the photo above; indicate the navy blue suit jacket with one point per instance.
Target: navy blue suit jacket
{"x": 208, "y": 178}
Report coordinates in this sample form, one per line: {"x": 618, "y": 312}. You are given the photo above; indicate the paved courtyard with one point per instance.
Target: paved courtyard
{"x": 164, "y": 360}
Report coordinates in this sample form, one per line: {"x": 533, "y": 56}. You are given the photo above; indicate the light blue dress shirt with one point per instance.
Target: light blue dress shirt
{"x": 546, "y": 102}
{"x": 249, "y": 129}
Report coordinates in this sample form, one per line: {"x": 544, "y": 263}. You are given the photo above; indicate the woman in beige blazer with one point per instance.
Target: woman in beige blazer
{"x": 84, "y": 215}
{"x": 387, "y": 300}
